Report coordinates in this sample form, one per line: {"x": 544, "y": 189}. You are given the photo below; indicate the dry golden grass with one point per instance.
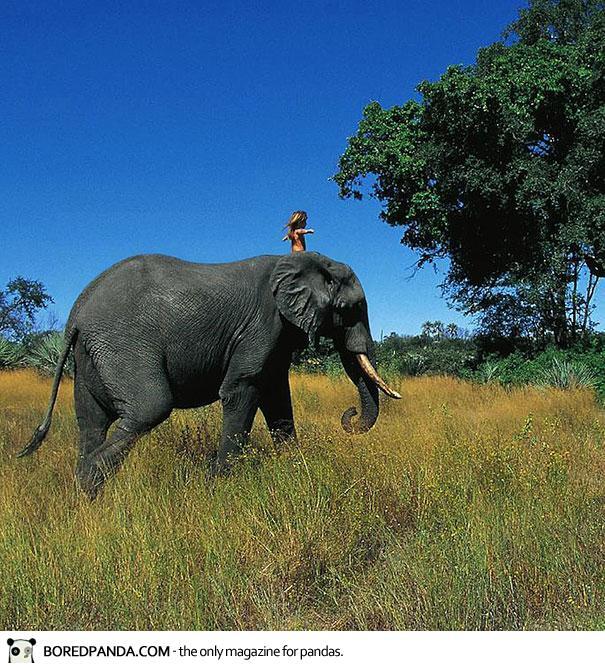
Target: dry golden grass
{"x": 466, "y": 507}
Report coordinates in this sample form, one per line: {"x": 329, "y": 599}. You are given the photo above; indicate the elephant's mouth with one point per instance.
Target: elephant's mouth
{"x": 370, "y": 372}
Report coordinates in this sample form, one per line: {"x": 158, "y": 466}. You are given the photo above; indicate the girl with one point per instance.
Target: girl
{"x": 297, "y": 231}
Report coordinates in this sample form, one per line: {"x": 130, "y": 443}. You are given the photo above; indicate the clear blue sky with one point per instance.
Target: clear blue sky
{"x": 195, "y": 128}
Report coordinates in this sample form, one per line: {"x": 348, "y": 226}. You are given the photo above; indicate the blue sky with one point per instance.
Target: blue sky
{"x": 195, "y": 128}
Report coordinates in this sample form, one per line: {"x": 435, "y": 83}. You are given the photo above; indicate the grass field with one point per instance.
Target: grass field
{"x": 466, "y": 507}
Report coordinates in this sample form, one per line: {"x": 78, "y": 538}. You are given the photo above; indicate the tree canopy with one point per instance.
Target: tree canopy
{"x": 19, "y": 303}
{"x": 500, "y": 167}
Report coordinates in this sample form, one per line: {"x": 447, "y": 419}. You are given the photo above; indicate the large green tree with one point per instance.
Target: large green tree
{"x": 500, "y": 168}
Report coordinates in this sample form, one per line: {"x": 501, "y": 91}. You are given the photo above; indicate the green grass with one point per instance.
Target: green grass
{"x": 466, "y": 507}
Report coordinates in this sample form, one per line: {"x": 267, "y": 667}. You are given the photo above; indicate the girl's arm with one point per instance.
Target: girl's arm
{"x": 304, "y": 231}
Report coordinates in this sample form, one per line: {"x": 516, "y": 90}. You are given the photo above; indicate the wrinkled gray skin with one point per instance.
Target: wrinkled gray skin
{"x": 153, "y": 333}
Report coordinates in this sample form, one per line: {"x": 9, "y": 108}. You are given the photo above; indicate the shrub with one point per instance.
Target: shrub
{"x": 45, "y": 355}
{"x": 563, "y": 369}
{"x": 568, "y": 375}
{"x": 422, "y": 355}
{"x": 11, "y": 354}
{"x": 414, "y": 364}
{"x": 489, "y": 371}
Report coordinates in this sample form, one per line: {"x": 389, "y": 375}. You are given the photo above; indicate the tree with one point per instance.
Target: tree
{"x": 500, "y": 168}
{"x": 437, "y": 330}
{"x": 19, "y": 303}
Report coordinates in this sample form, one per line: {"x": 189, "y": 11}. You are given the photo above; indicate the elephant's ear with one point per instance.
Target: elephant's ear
{"x": 303, "y": 289}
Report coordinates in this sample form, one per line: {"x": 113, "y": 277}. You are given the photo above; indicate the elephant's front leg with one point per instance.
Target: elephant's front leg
{"x": 276, "y": 406}
{"x": 240, "y": 402}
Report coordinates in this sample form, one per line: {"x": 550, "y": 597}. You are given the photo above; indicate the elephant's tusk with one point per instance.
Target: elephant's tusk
{"x": 371, "y": 373}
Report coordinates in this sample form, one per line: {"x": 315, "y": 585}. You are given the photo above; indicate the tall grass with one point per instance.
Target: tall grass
{"x": 466, "y": 507}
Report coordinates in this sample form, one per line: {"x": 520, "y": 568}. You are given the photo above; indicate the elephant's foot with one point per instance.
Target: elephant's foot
{"x": 283, "y": 432}
{"x": 90, "y": 477}
{"x": 220, "y": 466}
{"x": 93, "y": 469}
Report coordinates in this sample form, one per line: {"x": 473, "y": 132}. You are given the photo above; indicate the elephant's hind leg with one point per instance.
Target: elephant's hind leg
{"x": 93, "y": 419}
{"x": 93, "y": 423}
{"x": 98, "y": 465}
{"x": 137, "y": 419}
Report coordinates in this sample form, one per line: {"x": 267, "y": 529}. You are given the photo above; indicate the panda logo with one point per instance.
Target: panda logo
{"x": 21, "y": 650}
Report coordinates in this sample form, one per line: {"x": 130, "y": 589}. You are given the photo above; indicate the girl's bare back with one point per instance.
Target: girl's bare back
{"x": 297, "y": 231}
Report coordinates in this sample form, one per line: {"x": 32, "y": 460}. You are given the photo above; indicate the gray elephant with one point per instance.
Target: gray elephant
{"x": 153, "y": 333}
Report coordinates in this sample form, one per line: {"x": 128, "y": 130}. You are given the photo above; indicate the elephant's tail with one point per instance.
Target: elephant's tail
{"x": 42, "y": 430}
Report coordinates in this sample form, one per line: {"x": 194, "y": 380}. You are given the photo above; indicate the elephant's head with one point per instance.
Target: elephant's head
{"x": 324, "y": 297}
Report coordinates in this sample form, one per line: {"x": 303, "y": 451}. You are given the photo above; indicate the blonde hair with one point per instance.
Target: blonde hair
{"x": 298, "y": 219}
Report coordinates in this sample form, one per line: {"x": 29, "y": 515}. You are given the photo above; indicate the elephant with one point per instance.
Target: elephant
{"x": 153, "y": 333}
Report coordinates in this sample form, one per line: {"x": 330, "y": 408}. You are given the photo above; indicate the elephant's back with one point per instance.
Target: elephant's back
{"x": 152, "y": 295}
{"x": 121, "y": 288}
{"x": 138, "y": 273}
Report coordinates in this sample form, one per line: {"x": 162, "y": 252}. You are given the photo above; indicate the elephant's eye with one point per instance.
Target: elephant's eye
{"x": 347, "y": 312}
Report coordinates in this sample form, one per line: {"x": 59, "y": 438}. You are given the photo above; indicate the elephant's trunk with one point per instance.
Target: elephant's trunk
{"x": 368, "y": 396}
